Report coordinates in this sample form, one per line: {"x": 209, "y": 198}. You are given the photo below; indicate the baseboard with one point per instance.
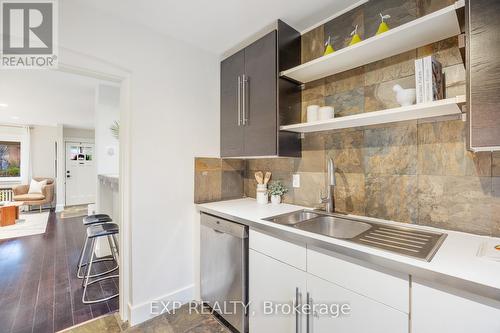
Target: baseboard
{"x": 141, "y": 312}
{"x": 59, "y": 208}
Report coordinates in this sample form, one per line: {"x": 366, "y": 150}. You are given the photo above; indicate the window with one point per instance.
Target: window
{"x": 10, "y": 159}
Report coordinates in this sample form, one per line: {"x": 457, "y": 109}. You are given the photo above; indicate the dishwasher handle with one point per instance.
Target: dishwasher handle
{"x": 224, "y": 226}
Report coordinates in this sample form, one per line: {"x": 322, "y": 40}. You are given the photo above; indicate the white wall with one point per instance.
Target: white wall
{"x": 107, "y": 111}
{"x": 43, "y": 151}
{"x": 79, "y": 133}
{"x": 174, "y": 92}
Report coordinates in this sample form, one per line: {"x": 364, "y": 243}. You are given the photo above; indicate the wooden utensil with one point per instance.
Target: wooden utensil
{"x": 259, "y": 177}
{"x": 267, "y": 177}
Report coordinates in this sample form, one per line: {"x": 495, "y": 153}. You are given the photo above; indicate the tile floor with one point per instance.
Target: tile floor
{"x": 180, "y": 322}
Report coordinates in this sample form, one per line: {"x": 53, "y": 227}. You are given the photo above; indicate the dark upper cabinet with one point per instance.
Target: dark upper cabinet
{"x": 483, "y": 73}
{"x": 261, "y": 97}
{"x": 250, "y": 101}
{"x": 232, "y": 136}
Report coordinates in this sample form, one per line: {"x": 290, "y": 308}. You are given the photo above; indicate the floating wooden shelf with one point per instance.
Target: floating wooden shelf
{"x": 444, "y": 107}
{"x": 425, "y": 30}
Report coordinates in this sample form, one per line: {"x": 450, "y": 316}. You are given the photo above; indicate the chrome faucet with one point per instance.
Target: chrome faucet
{"x": 329, "y": 200}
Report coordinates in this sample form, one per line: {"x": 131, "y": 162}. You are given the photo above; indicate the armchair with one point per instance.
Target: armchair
{"x": 46, "y": 197}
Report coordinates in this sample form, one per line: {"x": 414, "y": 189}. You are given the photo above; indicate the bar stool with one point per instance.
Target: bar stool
{"x": 94, "y": 232}
{"x": 96, "y": 218}
{"x": 87, "y": 221}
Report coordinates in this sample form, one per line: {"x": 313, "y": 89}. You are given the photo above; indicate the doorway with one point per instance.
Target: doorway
{"x": 77, "y": 63}
{"x": 66, "y": 154}
{"x": 80, "y": 173}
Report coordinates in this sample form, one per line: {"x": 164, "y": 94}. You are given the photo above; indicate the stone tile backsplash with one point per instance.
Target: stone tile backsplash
{"x": 415, "y": 172}
{"x": 216, "y": 179}
{"x": 406, "y": 172}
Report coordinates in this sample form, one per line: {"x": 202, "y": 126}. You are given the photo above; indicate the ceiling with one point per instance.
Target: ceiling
{"x": 216, "y": 26}
{"x": 43, "y": 97}
{"x": 219, "y": 25}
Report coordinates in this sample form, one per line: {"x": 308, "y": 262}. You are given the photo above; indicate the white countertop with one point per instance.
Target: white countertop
{"x": 457, "y": 256}
{"x": 109, "y": 176}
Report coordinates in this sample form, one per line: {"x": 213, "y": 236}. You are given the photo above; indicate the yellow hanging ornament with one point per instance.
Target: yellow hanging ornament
{"x": 328, "y": 47}
{"x": 383, "y": 27}
{"x": 355, "y": 37}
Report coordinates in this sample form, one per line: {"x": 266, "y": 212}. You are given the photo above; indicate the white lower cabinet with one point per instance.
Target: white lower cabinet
{"x": 437, "y": 310}
{"x": 276, "y": 283}
{"x": 337, "y": 309}
{"x": 282, "y": 273}
{"x": 273, "y": 288}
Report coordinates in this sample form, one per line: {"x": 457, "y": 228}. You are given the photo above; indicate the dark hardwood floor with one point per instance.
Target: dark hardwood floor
{"x": 39, "y": 290}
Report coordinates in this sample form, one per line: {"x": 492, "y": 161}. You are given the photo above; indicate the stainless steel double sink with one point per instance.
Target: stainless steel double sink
{"x": 402, "y": 240}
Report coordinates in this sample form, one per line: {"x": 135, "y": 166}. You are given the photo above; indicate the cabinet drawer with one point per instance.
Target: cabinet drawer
{"x": 365, "y": 315}
{"x": 389, "y": 288}
{"x": 289, "y": 253}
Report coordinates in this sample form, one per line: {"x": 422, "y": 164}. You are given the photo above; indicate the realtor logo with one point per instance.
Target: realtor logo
{"x": 28, "y": 30}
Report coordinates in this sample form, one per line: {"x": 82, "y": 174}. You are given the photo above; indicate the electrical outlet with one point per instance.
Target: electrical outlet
{"x": 296, "y": 180}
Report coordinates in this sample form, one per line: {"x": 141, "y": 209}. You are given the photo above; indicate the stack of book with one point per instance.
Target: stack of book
{"x": 429, "y": 79}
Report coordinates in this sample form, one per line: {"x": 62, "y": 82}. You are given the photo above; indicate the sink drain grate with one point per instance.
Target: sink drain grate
{"x": 413, "y": 243}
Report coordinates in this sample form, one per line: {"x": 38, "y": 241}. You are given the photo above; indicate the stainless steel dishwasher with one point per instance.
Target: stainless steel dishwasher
{"x": 224, "y": 269}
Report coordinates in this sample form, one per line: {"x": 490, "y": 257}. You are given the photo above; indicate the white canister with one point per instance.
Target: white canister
{"x": 312, "y": 113}
{"x": 262, "y": 196}
{"x": 325, "y": 113}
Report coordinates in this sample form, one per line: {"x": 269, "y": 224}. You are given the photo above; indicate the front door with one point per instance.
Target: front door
{"x": 81, "y": 178}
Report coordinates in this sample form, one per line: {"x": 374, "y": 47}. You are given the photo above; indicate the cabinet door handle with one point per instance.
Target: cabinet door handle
{"x": 244, "y": 98}
{"x": 239, "y": 100}
{"x": 297, "y": 317}
{"x": 309, "y": 319}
